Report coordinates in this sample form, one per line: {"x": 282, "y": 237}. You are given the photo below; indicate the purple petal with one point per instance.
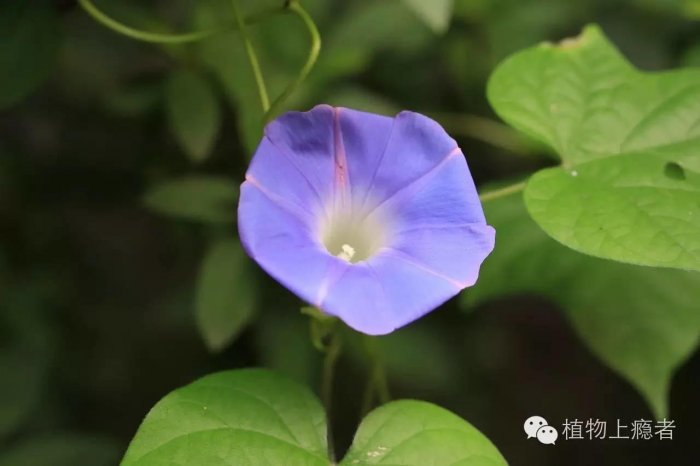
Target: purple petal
{"x": 378, "y": 296}
{"x": 282, "y": 243}
{"x": 392, "y": 199}
{"x": 294, "y": 159}
{"x": 366, "y": 311}
{"x": 451, "y": 251}
{"x": 365, "y": 139}
{"x": 383, "y": 156}
{"x": 445, "y": 195}
{"x": 278, "y": 173}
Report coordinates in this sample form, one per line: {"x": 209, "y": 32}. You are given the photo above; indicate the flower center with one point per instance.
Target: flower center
{"x": 353, "y": 236}
{"x": 347, "y": 253}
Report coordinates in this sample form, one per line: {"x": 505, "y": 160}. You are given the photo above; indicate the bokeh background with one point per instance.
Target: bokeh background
{"x": 99, "y": 271}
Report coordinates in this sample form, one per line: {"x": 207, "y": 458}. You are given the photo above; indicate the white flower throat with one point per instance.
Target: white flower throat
{"x": 353, "y": 235}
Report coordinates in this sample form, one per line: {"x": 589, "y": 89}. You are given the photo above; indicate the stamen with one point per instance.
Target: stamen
{"x": 347, "y": 253}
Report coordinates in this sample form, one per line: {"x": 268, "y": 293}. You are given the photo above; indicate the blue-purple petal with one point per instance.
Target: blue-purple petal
{"x": 414, "y": 145}
{"x": 277, "y": 171}
{"x": 453, "y": 251}
{"x": 365, "y": 139}
{"x": 404, "y": 175}
{"x": 444, "y": 195}
{"x": 385, "y": 293}
{"x": 295, "y": 160}
{"x": 282, "y": 243}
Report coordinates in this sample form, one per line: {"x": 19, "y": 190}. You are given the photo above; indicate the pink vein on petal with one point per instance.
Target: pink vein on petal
{"x": 418, "y": 180}
{"x": 408, "y": 259}
{"x": 340, "y": 163}
{"x": 379, "y": 162}
{"x": 336, "y": 273}
{"x": 290, "y": 159}
{"x": 373, "y": 271}
{"x": 299, "y": 213}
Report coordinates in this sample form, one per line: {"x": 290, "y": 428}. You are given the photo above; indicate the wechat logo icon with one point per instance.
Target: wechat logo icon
{"x": 537, "y": 427}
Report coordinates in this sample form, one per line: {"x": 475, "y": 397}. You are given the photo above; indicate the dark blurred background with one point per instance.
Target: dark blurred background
{"x": 98, "y": 290}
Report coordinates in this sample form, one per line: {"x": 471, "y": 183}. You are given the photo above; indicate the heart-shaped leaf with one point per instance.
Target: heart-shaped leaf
{"x": 416, "y": 433}
{"x": 243, "y": 417}
{"x": 629, "y": 142}
{"x": 255, "y": 417}
{"x": 643, "y": 322}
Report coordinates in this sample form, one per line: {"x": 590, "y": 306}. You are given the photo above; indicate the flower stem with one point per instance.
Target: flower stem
{"x": 377, "y": 382}
{"x": 502, "y": 192}
{"x": 158, "y": 38}
{"x": 252, "y": 57}
{"x": 367, "y": 397}
{"x": 382, "y": 383}
{"x": 329, "y": 361}
{"x": 295, "y": 7}
{"x": 326, "y": 337}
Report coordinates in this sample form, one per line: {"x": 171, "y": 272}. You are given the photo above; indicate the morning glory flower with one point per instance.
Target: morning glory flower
{"x": 372, "y": 219}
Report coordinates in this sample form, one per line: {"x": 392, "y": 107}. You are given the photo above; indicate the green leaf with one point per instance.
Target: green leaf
{"x": 254, "y": 416}
{"x": 416, "y": 433}
{"x": 435, "y": 13}
{"x": 29, "y": 40}
{"x": 249, "y": 416}
{"x": 193, "y": 113}
{"x": 642, "y": 322}
{"x": 629, "y": 142}
{"x": 226, "y": 298}
{"x": 61, "y": 449}
{"x": 198, "y": 198}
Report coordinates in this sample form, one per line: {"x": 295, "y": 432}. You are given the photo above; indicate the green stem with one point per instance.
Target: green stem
{"x": 295, "y": 7}
{"x": 252, "y": 57}
{"x": 326, "y": 337}
{"x": 378, "y": 381}
{"x": 368, "y": 396}
{"x": 329, "y": 361}
{"x": 153, "y": 37}
{"x": 502, "y": 192}
{"x": 382, "y": 383}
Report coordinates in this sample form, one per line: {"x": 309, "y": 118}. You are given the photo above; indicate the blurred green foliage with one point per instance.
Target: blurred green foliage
{"x": 29, "y": 40}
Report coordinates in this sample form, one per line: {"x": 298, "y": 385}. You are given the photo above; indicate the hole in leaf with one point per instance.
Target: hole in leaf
{"x": 674, "y": 171}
